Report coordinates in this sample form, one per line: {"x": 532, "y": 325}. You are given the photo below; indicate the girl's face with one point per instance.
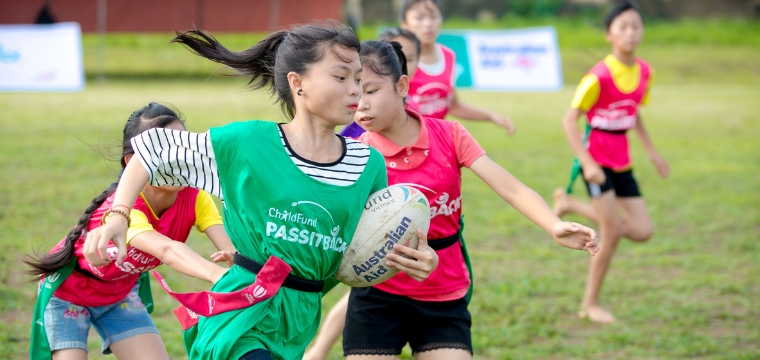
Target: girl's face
{"x": 410, "y": 51}
{"x": 380, "y": 101}
{"x": 424, "y": 20}
{"x": 626, "y": 31}
{"x": 332, "y": 86}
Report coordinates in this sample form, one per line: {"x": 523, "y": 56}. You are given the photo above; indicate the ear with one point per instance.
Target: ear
{"x": 294, "y": 80}
{"x": 127, "y": 158}
{"x": 402, "y": 86}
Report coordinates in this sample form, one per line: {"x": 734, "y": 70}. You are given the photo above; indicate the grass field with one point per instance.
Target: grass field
{"x": 692, "y": 292}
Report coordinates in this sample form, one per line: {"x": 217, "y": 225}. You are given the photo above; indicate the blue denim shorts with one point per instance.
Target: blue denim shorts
{"x": 67, "y": 325}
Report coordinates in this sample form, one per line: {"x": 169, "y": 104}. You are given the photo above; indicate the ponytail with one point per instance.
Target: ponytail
{"x": 44, "y": 265}
{"x": 401, "y": 56}
{"x": 269, "y": 62}
{"x": 256, "y": 62}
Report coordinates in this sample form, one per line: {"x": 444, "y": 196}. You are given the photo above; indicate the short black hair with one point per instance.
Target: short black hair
{"x": 620, "y": 7}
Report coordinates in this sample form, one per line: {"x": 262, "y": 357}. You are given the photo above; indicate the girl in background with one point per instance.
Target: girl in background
{"x": 75, "y": 294}
{"x": 432, "y": 87}
{"x": 609, "y": 96}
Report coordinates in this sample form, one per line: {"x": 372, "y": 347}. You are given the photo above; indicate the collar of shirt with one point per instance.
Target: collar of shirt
{"x": 390, "y": 149}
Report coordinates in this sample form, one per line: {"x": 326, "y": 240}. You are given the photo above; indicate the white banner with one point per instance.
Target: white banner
{"x": 513, "y": 60}
{"x": 41, "y": 57}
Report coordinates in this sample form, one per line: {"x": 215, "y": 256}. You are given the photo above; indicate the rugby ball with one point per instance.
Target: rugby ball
{"x": 390, "y": 216}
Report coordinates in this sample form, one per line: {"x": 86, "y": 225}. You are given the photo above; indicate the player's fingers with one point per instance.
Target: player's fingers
{"x": 413, "y": 273}
{"x": 410, "y": 263}
{"x": 422, "y": 238}
{"x": 121, "y": 245}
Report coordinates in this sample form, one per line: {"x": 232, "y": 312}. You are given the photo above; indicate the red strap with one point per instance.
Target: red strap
{"x": 207, "y": 303}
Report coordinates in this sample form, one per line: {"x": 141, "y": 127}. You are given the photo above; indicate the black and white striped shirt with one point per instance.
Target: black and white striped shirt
{"x": 183, "y": 158}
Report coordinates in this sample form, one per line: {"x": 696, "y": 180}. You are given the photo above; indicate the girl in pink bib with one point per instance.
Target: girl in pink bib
{"x": 75, "y": 295}
{"x": 428, "y": 154}
{"x": 432, "y": 87}
{"x": 610, "y": 96}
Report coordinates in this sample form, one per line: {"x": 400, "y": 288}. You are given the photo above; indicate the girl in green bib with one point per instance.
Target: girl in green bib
{"x": 294, "y": 191}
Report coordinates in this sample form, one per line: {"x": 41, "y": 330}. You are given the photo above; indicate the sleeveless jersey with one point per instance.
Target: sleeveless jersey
{"x": 433, "y": 92}
{"x": 612, "y": 115}
{"x": 109, "y": 284}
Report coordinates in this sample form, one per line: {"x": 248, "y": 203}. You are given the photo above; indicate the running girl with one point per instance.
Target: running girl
{"x": 432, "y": 87}
{"x": 431, "y": 316}
{"x": 411, "y": 47}
{"x": 609, "y": 96}
{"x": 74, "y": 294}
{"x": 291, "y": 191}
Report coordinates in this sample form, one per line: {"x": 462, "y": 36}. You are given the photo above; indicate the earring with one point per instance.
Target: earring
{"x": 299, "y": 92}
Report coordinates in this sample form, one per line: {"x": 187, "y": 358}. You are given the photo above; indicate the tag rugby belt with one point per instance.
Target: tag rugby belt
{"x": 440, "y": 244}
{"x": 291, "y": 281}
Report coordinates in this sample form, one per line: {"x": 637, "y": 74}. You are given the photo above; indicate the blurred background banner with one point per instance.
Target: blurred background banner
{"x": 508, "y": 60}
{"x": 41, "y": 57}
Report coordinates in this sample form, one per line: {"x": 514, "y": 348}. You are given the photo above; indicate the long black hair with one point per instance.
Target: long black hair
{"x": 384, "y": 58}
{"x": 153, "y": 115}
{"x": 269, "y": 61}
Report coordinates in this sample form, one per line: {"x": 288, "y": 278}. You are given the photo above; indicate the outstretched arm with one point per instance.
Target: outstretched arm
{"x": 166, "y": 157}
{"x": 530, "y": 204}
{"x": 467, "y": 112}
{"x": 662, "y": 166}
{"x": 178, "y": 256}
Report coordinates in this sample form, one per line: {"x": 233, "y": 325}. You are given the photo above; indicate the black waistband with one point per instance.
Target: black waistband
{"x": 618, "y": 132}
{"x": 291, "y": 282}
{"x": 440, "y": 244}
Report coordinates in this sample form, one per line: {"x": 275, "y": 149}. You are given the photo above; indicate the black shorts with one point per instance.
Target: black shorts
{"x": 623, "y": 183}
{"x": 380, "y": 323}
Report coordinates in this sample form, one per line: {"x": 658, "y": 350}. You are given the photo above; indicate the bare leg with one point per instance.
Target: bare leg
{"x": 609, "y": 229}
{"x": 637, "y": 225}
{"x": 70, "y": 354}
{"x": 329, "y": 331}
{"x": 443, "y": 354}
{"x": 565, "y": 203}
{"x": 138, "y": 347}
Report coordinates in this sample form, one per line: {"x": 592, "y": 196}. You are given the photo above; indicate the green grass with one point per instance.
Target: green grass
{"x": 690, "y": 293}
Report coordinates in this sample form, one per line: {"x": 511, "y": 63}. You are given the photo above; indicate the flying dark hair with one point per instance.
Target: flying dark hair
{"x": 620, "y": 7}
{"x": 407, "y": 4}
{"x": 269, "y": 61}
{"x": 383, "y": 58}
{"x": 153, "y": 115}
{"x": 391, "y": 33}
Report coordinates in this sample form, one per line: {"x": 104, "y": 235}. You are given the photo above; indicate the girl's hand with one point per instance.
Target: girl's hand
{"x": 424, "y": 259}
{"x": 575, "y": 236}
{"x": 660, "y": 164}
{"x": 504, "y": 122}
{"x": 220, "y": 256}
{"x": 592, "y": 172}
{"x": 95, "y": 248}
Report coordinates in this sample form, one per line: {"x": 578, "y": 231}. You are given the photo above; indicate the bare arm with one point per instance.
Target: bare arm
{"x": 178, "y": 256}
{"x": 132, "y": 181}
{"x": 662, "y": 166}
{"x": 591, "y": 170}
{"x": 533, "y": 206}
{"x": 467, "y": 112}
